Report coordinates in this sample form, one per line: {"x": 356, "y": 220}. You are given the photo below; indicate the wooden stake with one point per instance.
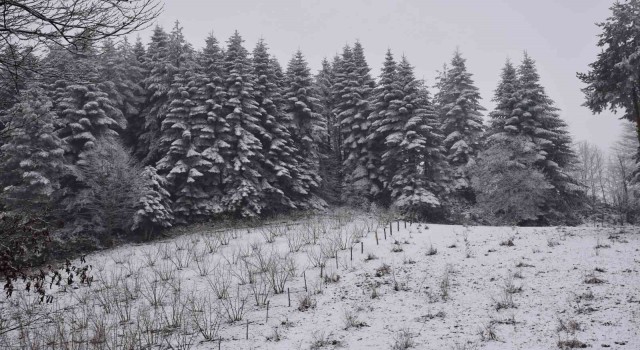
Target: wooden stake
{"x": 361, "y": 247}
{"x": 336, "y": 259}
{"x": 351, "y": 253}
{"x": 219, "y": 343}
{"x": 321, "y": 267}
{"x": 289, "y": 296}
{"x": 247, "y": 329}
{"x": 377, "y": 243}
{"x": 391, "y": 228}
{"x": 304, "y": 275}
{"x": 267, "y": 320}
{"x": 398, "y": 222}
{"x": 385, "y": 235}
{"x": 405, "y": 224}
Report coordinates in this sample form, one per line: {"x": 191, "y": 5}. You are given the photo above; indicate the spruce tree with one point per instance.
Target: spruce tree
{"x": 243, "y": 180}
{"x": 524, "y": 110}
{"x": 539, "y": 120}
{"x": 385, "y": 119}
{"x": 156, "y": 84}
{"x": 86, "y": 114}
{"x": 120, "y": 76}
{"x": 330, "y": 164}
{"x": 210, "y": 59}
{"x": 413, "y": 149}
{"x": 167, "y": 56}
{"x": 32, "y": 159}
{"x": 461, "y": 121}
{"x": 280, "y": 164}
{"x": 182, "y": 163}
{"x": 505, "y": 98}
{"x": 154, "y": 207}
{"x": 308, "y": 128}
{"x": 352, "y": 91}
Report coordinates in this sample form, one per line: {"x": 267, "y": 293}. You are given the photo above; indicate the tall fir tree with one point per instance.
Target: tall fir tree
{"x": 120, "y": 75}
{"x": 85, "y": 114}
{"x": 505, "y": 97}
{"x": 243, "y": 179}
{"x": 185, "y": 136}
{"x": 352, "y": 91}
{"x": 459, "y": 106}
{"x": 385, "y": 119}
{"x": 330, "y": 163}
{"x": 308, "y": 127}
{"x": 156, "y": 84}
{"x": 280, "y": 165}
{"x": 210, "y": 59}
{"x": 524, "y": 110}
{"x": 32, "y": 160}
{"x": 413, "y": 149}
{"x": 541, "y": 122}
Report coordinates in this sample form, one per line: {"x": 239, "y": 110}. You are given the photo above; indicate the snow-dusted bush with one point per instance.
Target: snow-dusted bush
{"x": 510, "y": 189}
{"x": 110, "y": 188}
{"x": 154, "y": 206}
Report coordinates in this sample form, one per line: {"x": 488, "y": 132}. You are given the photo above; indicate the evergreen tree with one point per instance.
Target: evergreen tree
{"x": 167, "y": 56}
{"x": 186, "y": 134}
{"x": 86, "y": 114}
{"x": 280, "y": 165}
{"x": 32, "y": 159}
{"x": 413, "y": 149}
{"x": 330, "y": 163}
{"x": 524, "y": 109}
{"x": 308, "y": 126}
{"x": 613, "y": 80}
{"x": 243, "y": 180}
{"x": 154, "y": 207}
{"x": 210, "y": 60}
{"x": 385, "y": 120}
{"x": 511, "y": 189}
{"x": 352, "y": 91}
{"x": 461, "y": 121}
{"x": 120, "y": 76}
{"x": 156, "y": 84}
{"x": 505, "y": 98}
{"x": 540, "y": 121}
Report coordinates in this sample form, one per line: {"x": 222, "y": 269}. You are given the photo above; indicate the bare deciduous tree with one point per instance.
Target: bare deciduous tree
{"x": 590, "y": 170}
{"x": 622, "y": 189}
{"x": 69, "y": 22}
{"x": 28, "y": 26}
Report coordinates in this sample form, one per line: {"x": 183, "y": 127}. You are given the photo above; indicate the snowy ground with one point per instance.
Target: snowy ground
{"x": 424, "y": 286}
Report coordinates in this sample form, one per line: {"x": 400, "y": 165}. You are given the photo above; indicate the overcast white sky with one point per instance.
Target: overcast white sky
{"x": 559, "y": 34}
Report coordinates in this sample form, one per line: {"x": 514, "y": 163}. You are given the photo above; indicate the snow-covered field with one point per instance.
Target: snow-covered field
{"x": 419, "y": 286}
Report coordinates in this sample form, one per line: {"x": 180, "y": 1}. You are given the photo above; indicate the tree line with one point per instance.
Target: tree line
{"x": 127, "y": 137}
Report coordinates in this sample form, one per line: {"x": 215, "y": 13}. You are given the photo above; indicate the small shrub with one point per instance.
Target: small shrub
{"x": 571, "y": 344}
{"x": 432, "y": 251}
{"x": 568, "y": 326}
{"x": 331, "y": 278}
{"x": 504, "y": 302}
{"x": 403, "y": 340}
{"x": 508, "y": 242}
{"x": 370, "y": 257}
{"x": 351, "y": 320}
{"x": 488, "y": 332}
{"x": 552, "y": 242}
{"x": 306, "y": 302}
